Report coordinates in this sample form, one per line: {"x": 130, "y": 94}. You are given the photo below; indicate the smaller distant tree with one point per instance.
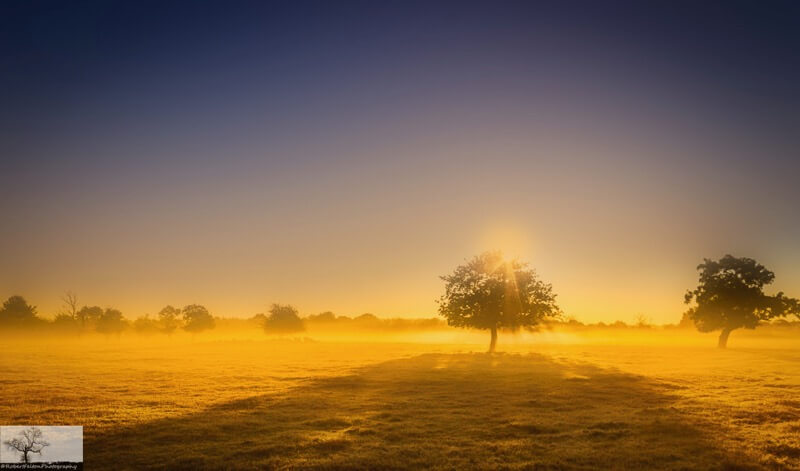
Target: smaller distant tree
{"x": 367, "y": 320}
{"x": 16, "y": 312}
{"x": 88, "y": 316}
{"x": 70, "y": 306}
{"x": 146, "y": 325}
{"x": 30, "y": 440}
{"x": 326, "y": 317}
{"x": 111, "y": 322}
{"x": 169, "y": 319}
{"x": 730, "y": 295}
{"x": 643, "y": 321}
{"x": 196, "y": 318}
{"x": 64, "y": 322}
{"x": 283, "y": 319}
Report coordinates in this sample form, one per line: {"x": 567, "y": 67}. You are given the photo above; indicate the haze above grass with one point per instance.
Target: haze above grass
{"x": 553, "y": 400}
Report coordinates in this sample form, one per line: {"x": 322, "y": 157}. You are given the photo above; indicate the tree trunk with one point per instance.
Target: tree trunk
{"x": 723, "y": 337}
{"x": 494, "y": 340}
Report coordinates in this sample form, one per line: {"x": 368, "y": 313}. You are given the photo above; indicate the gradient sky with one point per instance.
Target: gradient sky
{"x": 342, "y": 155}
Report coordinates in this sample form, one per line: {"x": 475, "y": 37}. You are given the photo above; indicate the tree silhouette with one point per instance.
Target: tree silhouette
{"x": 367, "y": 319}
{"x": 70, "y": 308}
{"x": 730, "y": 296}
{"x": 196, "y": 318}
{"x": 169, "y": 319}
{"x": 283, "y": 319}
{"x": 326, "y": 316}
{"x": 88, "y": 316}
{"x": 65, "y": 323}
{"x": 111, "y": 322}
{"x": 17, "y": 312}
{"x": 146, "y": 325}
{"x": 491, "y": 293}
{"x": 30, "y": 440}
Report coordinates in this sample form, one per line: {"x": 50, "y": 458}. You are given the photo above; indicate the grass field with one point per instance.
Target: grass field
{"x": 543, "y": 403}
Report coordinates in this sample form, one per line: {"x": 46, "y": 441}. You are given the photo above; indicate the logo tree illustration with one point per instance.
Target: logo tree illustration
{"x": 30, "y": 440}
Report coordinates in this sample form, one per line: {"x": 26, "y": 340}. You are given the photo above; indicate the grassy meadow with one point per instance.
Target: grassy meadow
{"x": 583, "y": 399}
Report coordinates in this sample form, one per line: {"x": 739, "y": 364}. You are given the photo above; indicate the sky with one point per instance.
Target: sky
{"x": 343, "y": 155}
{"x": 65, "y": 443}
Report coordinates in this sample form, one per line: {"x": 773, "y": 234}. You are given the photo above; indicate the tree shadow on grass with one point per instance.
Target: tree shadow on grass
{"x": 433, "y": 411}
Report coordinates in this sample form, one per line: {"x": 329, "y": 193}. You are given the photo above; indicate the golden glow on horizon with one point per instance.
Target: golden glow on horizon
{"x": 378, "y": 247}
{"x": 510, "y": 239}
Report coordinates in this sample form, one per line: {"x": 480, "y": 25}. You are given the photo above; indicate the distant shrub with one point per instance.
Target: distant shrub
{"x": 643, "y": 321}
{"x": 283, "y": 319}
{"x": 111, "y": 322}
{"x": 16, "y": 312}
{"x": 146, "y": 325}
{"x": 169, "y": 319}
{"x": 367, "y": 319}
{"x": 329, "y": 321}
{"x": 88, "y": 316}
{"x": 196, "y": 318}
{"x": 326, "y": 317}
{"x": 66, "y": 323}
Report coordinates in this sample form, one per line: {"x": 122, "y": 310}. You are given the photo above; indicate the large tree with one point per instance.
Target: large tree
{"x": 730, "y": 296}
{"x": 491, "y": 293}
{"x": 30, "y": 440}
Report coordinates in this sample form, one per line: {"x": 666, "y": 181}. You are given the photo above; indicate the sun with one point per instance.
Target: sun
{"x": 512, "y": 240}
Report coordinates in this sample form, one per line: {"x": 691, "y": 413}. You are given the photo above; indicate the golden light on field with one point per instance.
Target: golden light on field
{"x": 618, "y": 386}
{"x": 401, "y": 235}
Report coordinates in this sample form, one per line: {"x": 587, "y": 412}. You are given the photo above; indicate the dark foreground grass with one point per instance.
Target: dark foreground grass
{"x": 441, "y": 411}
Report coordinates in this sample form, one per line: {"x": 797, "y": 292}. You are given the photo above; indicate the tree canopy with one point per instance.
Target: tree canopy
{"x": 169, "y": 319}
{"x": 730, "y": 295}
{"x": 491, "y": 293}
{"x": 111, "y": 322}
{"x": 283, "y": 319}
{"x": 88, "y": 315}
{"x": 196, "y": 318}
{"x": 17, "y": 312}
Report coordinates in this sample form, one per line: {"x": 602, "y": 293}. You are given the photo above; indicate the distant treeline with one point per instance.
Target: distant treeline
{"x": 17, "y": 314}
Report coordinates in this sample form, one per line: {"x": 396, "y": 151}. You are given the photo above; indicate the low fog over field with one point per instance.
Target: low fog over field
{"x": 568, "y": 397}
